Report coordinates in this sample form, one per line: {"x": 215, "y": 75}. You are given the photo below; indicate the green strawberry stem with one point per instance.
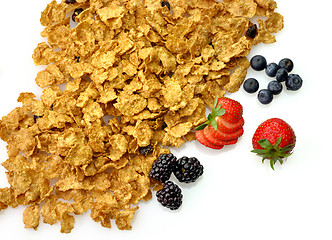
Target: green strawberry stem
{"x": 273, "y": 152}
{"x": 217, "y": 111}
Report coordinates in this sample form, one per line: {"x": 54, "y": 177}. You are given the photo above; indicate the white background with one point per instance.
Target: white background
{"x": 238, "y": 197}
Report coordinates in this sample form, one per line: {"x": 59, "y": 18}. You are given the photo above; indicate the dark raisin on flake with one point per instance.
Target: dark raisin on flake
{"x": 77, "y": 12}
{"x": 165, "y": 3}
{"x": 70, "y": 1}
{"x": 36, "y": 117}
{"x": 252, "y": 31}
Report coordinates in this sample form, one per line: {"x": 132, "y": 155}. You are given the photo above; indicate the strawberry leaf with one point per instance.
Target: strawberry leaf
{"x": 264, "y": 143}
{"x": 217, "y": 111}
{"x": 220, "y": 112}
{"x": 201, "y": 127}
{"x": 215, "y": 101}
{"x": 273, "y": 152}
{"x": 214, "y": 123}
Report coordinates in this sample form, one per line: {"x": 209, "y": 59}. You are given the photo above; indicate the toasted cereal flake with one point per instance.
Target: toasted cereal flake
{"x": 31, "y": 217}
{"x": 79, "y": 155}
{"x": 241, "y": 8}
{"x": 53, "y": 13}
{"x": 180, "y": 129}
{"x": 130, "y": 104}
{"x": 274, "y": 23}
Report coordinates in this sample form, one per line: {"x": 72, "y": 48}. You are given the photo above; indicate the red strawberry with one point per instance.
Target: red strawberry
{"x": 274, "y": 139}
{"x": 228, "y": 127}
{"x": 233, "y": 109}
{"x": 202, "y": 139}
{"x": 212, "y": 134}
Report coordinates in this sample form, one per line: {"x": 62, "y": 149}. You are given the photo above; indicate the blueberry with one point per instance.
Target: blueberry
{"x": 70, "y": 1}
{"x": 271, "y": 69}
{"x": 281, "y": 75}
{"x": 275, "y": 87}
{"x": 294, "y": 82}
{"x": 258, "y": 63}
{"x": 265, "y": 96}
{"x": 251, "y": 85}
{"x": 287, "y": 64}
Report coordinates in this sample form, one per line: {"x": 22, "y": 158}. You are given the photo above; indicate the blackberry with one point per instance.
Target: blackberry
{"x": 162, "y": 168}
{"x": 170, "y": 196}
{"x": 146, "y": 150}
{"x": 187, "y": 169}
{"x": 258, "y": 63}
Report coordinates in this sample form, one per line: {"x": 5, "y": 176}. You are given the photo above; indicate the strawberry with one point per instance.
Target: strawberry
{"x": 233, "y": 109}
{"x": 210, "y": 134}
{"x": 202, "y": 139}
{"x": 228, "y": 127}
{"x": 274, "y": 139}
{"x": 224, "y": 124}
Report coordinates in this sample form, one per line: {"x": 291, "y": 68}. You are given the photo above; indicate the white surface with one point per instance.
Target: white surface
{"x": 238, "y": 197}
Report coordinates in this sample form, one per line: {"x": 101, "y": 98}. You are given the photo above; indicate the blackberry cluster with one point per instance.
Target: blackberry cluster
{"x": 162, "y": 168}
{"x": 185, "y": 170}
{"x": 170, "y": 196}
{"x": 278, "y": 71}
{"x": 188, "y": 169}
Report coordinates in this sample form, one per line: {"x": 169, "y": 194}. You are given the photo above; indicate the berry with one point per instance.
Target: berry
{"x": 265, "y": 96}
{"x": 187, "y": 169}
{"x": 199, "y": 134}
{"x": 224, "y": 124}
{"x": 165, "y": 3}
{"x": 77, "y": 12}
{"x": 258, "y": 63}
{"x": 170, "y": 196}
{"x": 218, "y": 137}
{"x": 228, "y": 127}
{"x": 275, "y": 87}
{"x": 271, "y": 69}
{"x": 162, "y": 168}
{"x": 287, "y": 64}
{"x": 294, "y": 82}
{"x": 147, "y": 150}
{"x": 234, "y": 109}
{"x": 251, "y": 85}
{"x": 274, "y": 139}
{"x": 70, "y": 1}
{"x": 281, "y": 75}
{"x": 252, "y": 31}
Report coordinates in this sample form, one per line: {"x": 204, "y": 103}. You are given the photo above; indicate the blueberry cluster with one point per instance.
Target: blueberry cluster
{"x": 280, "y": 72}
{"x": 185, "y": 169}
